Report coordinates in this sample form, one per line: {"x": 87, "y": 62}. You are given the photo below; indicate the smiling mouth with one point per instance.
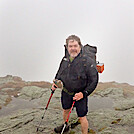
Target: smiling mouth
{"x": 73, "y": 51}
{"x": 74, "y": 54}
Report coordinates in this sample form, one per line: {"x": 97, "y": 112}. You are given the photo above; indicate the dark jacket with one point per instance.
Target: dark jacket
{"x": 80, "y": 75}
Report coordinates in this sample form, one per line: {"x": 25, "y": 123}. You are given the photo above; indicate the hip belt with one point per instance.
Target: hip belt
{"x": 70, "y": 93}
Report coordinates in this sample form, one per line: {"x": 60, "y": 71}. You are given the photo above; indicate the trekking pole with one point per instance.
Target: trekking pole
{"x": 57, "y": 84}
{"x": 65, "y": 124}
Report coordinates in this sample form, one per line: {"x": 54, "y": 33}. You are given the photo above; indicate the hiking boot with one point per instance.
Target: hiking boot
{"x": 59, "y": 129}
{"x": 75, "y": 123}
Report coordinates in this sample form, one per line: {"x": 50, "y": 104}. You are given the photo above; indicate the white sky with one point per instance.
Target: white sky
{"x": 33, "y": 33}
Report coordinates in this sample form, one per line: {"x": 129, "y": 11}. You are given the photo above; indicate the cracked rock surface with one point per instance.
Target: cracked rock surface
{"x": 22, "y": 104}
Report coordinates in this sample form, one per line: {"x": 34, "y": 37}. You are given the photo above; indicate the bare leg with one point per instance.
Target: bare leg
{"x": 65, "y": 114}
{"x": 84, "y": 125}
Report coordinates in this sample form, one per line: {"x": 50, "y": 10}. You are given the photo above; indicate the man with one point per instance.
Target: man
{"x": 79, "y": 75}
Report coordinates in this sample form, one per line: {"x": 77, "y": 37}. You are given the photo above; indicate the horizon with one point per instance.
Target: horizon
{"x": 33, "y": 35}
{"x": 51, "y": 82}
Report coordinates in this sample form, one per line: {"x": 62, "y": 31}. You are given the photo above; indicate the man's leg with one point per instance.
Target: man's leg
{"x": 82, "y": 109}
{"x": 65, "y": 114}
{"x": 59, "y": 128}
{"x": 84, "y": 125}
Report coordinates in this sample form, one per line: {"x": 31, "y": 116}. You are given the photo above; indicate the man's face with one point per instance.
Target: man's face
{"x": 73, "y": 48}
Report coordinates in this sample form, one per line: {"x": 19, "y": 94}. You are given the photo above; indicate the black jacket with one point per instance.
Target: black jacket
{"x": 80, "y": 75}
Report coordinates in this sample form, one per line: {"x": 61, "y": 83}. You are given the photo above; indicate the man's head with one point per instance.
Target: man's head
{"x": 73, "y": 45}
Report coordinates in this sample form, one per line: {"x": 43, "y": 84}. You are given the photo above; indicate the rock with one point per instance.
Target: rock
{"x": 11, "y": 86}
{"x": 12, "y": 123}
{"x": 127, "y": 118}
{"x": 124, "y": 104}
{"x": 7, "y": 89}
{"x": 24, "y": 113}
{"x": 110, "y": 121}
{"x": 3, "y": 99}
{"x": 32, "y": 92}
{"x": 10, "y": 81}
{"x": 9, "y": 78}
{"x": 110, "y": 130}
{"x": 115, "y": 93}
{"x": 41, "y": 84}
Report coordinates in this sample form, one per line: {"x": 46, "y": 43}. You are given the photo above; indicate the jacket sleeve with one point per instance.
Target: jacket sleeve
{"x": 92, "y": 78}
{"x": 57, "y": 76}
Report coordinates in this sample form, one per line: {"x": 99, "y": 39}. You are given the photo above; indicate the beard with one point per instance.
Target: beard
{"x": 73, "y": 54}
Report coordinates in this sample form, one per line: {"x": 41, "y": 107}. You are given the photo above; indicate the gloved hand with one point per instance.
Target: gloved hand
{"x": 57, "y": 84}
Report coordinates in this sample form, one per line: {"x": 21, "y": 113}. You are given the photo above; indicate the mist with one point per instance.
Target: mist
{"x": 33, "y": 34}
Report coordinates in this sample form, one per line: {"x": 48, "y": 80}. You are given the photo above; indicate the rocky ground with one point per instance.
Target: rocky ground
{"x": 111, "y": 108}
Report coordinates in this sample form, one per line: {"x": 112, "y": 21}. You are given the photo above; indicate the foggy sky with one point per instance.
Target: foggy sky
{"x": 33, "y": 34}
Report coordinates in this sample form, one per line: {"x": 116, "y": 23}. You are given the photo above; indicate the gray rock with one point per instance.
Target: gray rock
{"x": 124, "y": 104}
{"x": 8, "y": 89}
{"x": 116, "y": 130}
{"x": 9, "y": 124}
{"x": 127, "y": 117}
{"x": 32, "y": 92}
{"x": 3, "y": 99}
{"x": 115, "y": 93}
{"x": 28, "y": 108}
{"x": 9, "y": 78}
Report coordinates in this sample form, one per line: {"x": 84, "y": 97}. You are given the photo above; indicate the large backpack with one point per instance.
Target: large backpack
{"x": 91, "y": 52}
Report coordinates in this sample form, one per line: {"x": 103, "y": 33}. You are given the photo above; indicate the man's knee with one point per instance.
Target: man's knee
{"x": 66, "y": 111}
{"x": 83, "y": 119}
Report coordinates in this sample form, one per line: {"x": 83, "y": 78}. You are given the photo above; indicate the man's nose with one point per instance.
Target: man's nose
{"x": 73, "y": 47}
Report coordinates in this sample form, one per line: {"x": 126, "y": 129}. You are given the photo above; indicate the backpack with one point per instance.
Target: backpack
{"x": 91, "y": 52}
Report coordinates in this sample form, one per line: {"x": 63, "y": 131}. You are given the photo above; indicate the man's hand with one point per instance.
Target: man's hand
{"x": 56, "y": 84}
{"x": 78, "y": 96}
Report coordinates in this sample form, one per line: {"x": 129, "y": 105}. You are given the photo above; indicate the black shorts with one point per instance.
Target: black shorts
{"x": 81, "y": 105}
